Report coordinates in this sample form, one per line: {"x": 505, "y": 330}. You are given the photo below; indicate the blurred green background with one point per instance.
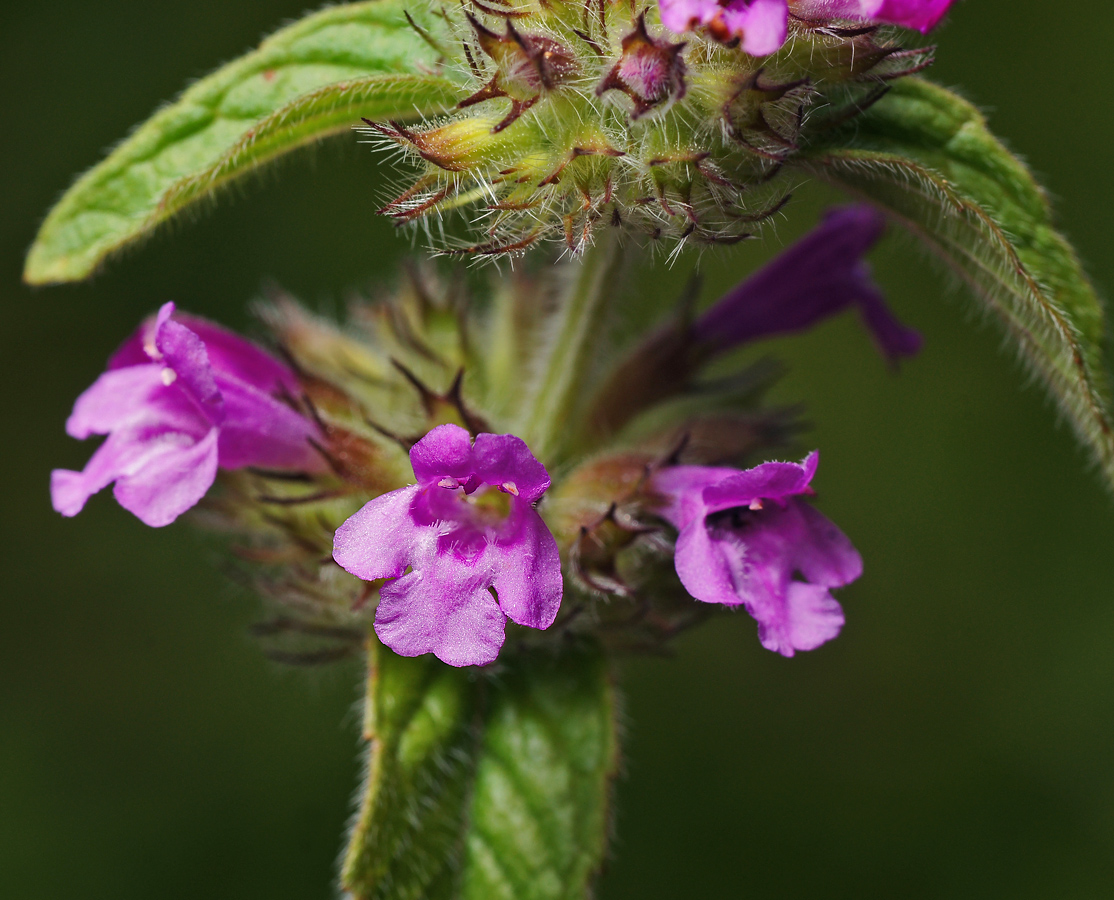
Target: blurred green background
{"x": 956, "y": 741}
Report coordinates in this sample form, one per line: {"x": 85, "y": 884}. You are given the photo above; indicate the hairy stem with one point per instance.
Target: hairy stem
{"x": 577, "y": 331}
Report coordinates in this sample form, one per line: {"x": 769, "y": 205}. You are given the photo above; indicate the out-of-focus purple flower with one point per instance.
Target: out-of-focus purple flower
{"x": 180, "y": 398}
{"x": 748, "y": 538}
{"x": 923, "y": 15}
{"x": 820, "y": 275}
{"x": 760, "y": 25}
{"x": 467, "y": 527}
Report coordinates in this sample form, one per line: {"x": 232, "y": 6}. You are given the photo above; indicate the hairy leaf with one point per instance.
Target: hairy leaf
{"x": 309, "y": 80}
{"x": 484, "y": 785}
{"x": 539, "y": 813}
{"x": 423, "y": 721}
{"x": 927, "y": 156}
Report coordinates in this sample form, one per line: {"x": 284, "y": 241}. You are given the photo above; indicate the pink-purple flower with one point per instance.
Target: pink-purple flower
{"x": 761, "y": 26}
{"x": 464, "y": 548}
{"x": 923, "y": 15}
{"x": 749, "y": 538}
{"x": 181, "y": 398}
{"x": 820, "y": 275}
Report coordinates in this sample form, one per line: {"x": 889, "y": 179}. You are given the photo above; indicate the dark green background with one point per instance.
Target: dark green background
{"x": 956, "y": 741}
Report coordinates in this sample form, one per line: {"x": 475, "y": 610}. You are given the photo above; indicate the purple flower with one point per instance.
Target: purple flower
{"x": 820, "y": 275}
{"x": 923, "y": 15}
{"x": 747, "y": 537}
{"x": 179, "y": 399}
{"x": 761, "y": 25}
{"x": 468, "y": 527}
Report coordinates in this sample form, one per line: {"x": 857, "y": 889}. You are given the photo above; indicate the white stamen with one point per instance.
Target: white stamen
{"x": 168, "y": 376}
{"x": 510, "y": 487}
{"x": 755, "y": 504}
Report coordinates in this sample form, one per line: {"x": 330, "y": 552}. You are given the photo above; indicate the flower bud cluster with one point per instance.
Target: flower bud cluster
{"x": 575, "y": 117}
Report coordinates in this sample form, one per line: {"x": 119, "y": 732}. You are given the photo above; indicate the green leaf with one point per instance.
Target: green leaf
{"x": 312, "y": 79}
{"x": 539, "y": 812}
{"x": 484, "y": 785}
{"x": 927, "y": 156}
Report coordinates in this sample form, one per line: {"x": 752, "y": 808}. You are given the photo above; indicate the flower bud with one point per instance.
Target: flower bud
{"x": 526, "y": 63}
{"x": 650, "y": 72}
{"x": 547, "y": 149}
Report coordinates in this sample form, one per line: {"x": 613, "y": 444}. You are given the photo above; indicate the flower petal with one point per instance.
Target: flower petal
{"x": 821, "y": 275}
{"x": 768, "y": 481}
{"x": 122, "y": 452}
{"x": 824, "y": 555}
{"x": 684, "y": 15}
{"x": 171, "y": 478}
{"x": 123, "y": 397}
{"x": 444, "y": 609}
{"x": 235, "y": 357}
{"x": 924, "y": 15}
{"x": 893, "y": 338}
{"x": 70, "y": 490}
{"x": 683, "y": 487}
{"x": 125, "y": 452}
{"x": 503, "y": 460}
{"x": 185, "y": 354}
{"x": 527, "y": 570}
{"x": 704, "y": 564}
{"x": 140, "y": 349}
{"x": 379, "y": 540}
{"x": 833, "y": 247}
{"x": 808, "y": 616}
{"x": 259, "y": 430}
{"x": 762, "y": 24}
{"x": 445, "y": 452}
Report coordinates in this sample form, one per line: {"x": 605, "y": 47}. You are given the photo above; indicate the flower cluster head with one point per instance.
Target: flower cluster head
{"x": 455, "y": 555}
{"x": 181, "y": 398}
{"x": 672, "y": 121}
{"x": 749, "y": 538}
{"x": 463, "y": 549}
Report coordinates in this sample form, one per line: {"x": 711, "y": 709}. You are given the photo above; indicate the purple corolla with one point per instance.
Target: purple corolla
{"x": 820, "y": 275}
{"x": 749, "y": 538}
{"x": 761, "y": 26}
{"x": 923, "y": 15}
{"x": 468, "y": 528}
{"x": 181, "y": 398}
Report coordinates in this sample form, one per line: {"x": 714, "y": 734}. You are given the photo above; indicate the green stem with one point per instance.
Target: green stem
{"x": 577, "y": 332}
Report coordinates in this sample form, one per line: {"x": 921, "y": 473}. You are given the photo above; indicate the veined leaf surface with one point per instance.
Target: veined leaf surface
{"x": 483, "y": 786}
{"x": 312, "y": 79}
{"x": 926, "y": 156}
